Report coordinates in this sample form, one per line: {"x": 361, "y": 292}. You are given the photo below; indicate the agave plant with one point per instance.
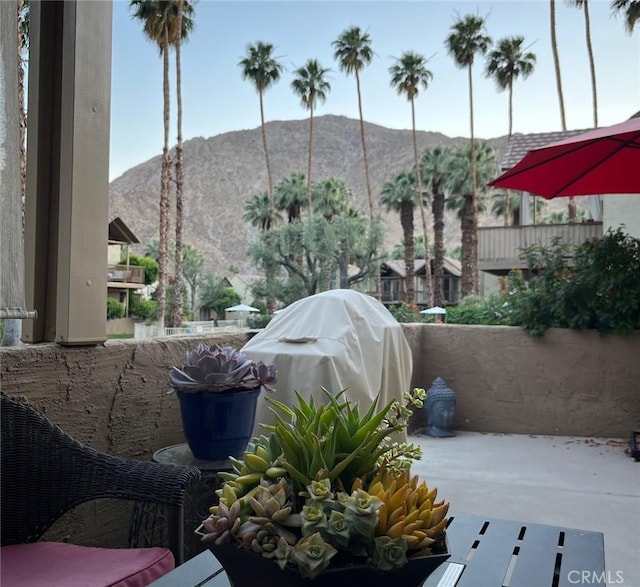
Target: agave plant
{"x": 215, "y": 368}
{"x": 328, "y": 484}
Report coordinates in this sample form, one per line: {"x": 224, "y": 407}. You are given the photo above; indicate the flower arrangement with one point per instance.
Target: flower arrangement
{"x": 327, "y": 488}
{"x": 215, "y": 368}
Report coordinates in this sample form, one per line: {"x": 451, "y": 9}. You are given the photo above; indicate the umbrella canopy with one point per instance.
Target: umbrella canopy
{"x": 600, "y": 161}
{"x": 242, "y": 308}
{"x": 434, "y": 310}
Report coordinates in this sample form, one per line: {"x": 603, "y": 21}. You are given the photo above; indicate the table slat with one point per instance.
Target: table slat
{"x": 582, "y": 551}
{"x": 536, "y": 558}
{"x": 202, "y": 570}
{"x": 488, "y": 564}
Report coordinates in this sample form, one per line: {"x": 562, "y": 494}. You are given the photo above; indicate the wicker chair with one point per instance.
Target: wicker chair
{"x": 45, "y": 473}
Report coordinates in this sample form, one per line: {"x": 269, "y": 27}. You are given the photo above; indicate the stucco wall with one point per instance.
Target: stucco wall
{"x": 113, "y": 396}
{"x": 566, "y": 382}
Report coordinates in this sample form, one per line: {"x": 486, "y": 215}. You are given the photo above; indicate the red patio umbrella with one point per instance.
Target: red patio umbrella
{"x": 600, "y": 161}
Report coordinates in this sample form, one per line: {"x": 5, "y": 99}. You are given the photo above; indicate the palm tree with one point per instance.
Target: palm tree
{"x": 263, "y": 70}
{"x": 312, "y": 87}
{"x": 459, "y": 185}
{"x": 408, "y": 74}
{"x": 352, "y": 51}
{"x": 183, "y": 26}
{"x": 506, "y": 64}
{"x": 399, "y": 195}
{"x": 332, "y": 198}
{"x": 289, "y": 195}
{"x": 630, "y": 9}
{"x": 258, "y": 212}
{"x": 571, "y": 206}
{"x": 465, "y": 41}
{"x": 434, "y": 165}
{"x": 506, "y": 204}
{"x": 584, "y": 4}
{"x": 556, "y": 61}
{"x": 156, "y": 18}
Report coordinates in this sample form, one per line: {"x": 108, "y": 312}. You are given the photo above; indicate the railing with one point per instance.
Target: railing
{"x": 499, "y": 247}
{"x": 154, "y": 331}
{"x": 125, "y": 274}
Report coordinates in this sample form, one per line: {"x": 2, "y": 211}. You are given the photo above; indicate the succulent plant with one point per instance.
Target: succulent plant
{"x": 329, "y": 480}
{"x": 408, "y": 510}
{"x": 215, "y": 368}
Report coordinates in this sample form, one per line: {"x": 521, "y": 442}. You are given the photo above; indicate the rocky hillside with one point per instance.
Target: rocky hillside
{"x": 222, "y": 172}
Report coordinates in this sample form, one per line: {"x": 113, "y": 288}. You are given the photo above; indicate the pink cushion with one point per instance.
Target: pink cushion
{"x": 57, "y": 564}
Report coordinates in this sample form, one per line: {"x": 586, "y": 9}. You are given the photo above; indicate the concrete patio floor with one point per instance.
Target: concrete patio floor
{"x": 584, "y": 483}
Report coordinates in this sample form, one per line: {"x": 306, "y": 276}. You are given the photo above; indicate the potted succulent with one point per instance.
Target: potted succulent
{"x": 218, "y": 389}
{"x": 327, "y": 498}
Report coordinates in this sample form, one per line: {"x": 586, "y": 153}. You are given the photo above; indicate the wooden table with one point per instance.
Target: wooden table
{"x": 485, "y": 552}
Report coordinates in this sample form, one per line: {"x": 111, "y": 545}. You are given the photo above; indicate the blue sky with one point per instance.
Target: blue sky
{"x": 217, "y": 100}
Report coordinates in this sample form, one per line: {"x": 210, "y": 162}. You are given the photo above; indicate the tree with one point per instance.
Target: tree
{"x": 352, "y": 51}
{"x": 408, "y": 74}
{"x": 399, "y": 195}
{"x": 629, "y": 9}
{"x": 584, "y": 4}
{"x": 459, "y": 185}
{"x": 153, "y": 250}
{"x": 508, "y": 62}
{"x": 258, "y": 213}
{"x": 263, "y": 70}
{"x": 216, "y": 295}
{"x": 193, "y": 270}
{"x": 433, "y": 170}
{"x": 159, "y": 23}
{"x": 331, "y": 198}
{"x": 184, "y": 24}
{"x": 311, "y": 86}
{"x": 290, "y": 195}
{"x": 505, "y": 64}
{"x": 571, "y": 206}
{"x": 465, "y": 41}
{"x": 556, "y": 61}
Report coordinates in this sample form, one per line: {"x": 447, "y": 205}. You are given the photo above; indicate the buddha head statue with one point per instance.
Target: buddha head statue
{"x": 440, "y": 405}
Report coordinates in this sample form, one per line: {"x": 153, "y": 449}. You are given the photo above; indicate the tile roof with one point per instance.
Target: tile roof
{"x": 520, "y": 144}
{"x": 450, "y": 265}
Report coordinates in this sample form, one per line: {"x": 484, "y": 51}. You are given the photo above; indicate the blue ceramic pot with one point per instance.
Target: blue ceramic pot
{"x": 218, "y": 425}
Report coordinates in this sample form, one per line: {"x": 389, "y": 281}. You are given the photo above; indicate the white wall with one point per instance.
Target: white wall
{"x": 623, "y": 209}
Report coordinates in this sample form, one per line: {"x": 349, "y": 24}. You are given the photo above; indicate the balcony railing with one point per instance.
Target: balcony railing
{"x": 499, "y": 246}
{"x": 125, "y": 274}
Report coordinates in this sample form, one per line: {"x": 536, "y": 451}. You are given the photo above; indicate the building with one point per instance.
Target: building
{"x": 122, "y": 277}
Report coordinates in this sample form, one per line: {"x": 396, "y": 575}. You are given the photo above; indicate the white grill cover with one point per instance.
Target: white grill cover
{"x": 336, "y": 339}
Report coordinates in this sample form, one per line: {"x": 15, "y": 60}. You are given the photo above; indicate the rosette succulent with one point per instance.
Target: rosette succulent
{"x": 328, "y": 487}
{"x": 216, "y": 368}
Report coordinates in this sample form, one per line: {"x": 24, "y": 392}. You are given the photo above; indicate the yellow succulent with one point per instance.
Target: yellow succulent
{"x": 409, "y": 510}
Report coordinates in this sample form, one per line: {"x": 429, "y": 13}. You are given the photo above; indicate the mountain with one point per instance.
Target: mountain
{"x": 223, "y": 171}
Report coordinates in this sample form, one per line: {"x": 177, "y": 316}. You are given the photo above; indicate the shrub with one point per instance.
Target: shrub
{"x": 151, "y": 267}
{"x": 258, "y": 320}
{"x": 600, "y": 292}
{"x": 476, "y": 310}
{"x": 405, "y": 312}
{"x": 114, "y": 309}
{"x": 144, "y": 309}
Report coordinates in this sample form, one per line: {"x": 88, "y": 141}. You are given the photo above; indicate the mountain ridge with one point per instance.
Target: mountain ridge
{"x": 223, "y": 171}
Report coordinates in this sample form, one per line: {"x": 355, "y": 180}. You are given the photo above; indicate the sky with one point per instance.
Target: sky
{"x": 217, "y": 100}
